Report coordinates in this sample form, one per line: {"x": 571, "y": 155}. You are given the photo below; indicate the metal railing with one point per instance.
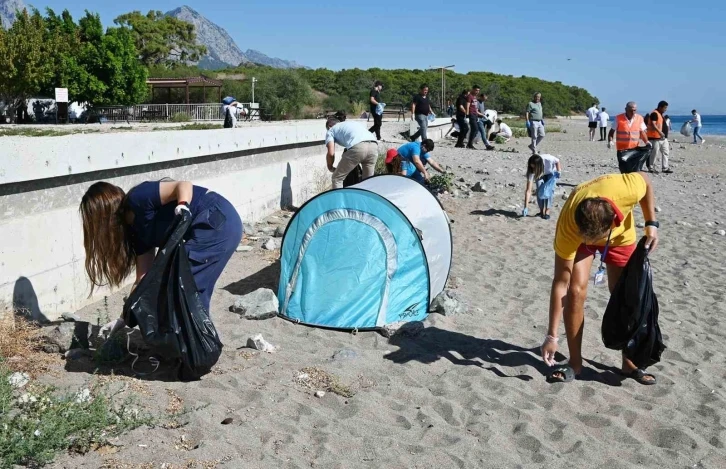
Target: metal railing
{"x": 164, "y": 112}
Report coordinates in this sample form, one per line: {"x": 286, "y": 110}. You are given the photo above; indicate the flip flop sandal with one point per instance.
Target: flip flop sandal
{"x": 640, "y": 376}
{"x": 565, "y": 370}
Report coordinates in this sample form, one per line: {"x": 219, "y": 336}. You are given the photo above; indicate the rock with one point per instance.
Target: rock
{"x": 512, "y": 184}
{"x": 657, "y": 209}
{"x": 720, "y": 232}
{"x": 481, "y": 219}
{"x": 684, "y": 223}
{"x": 59, "y": 338}
{"x": 345, "y": 354}
{"x": 259, "y": 343}
{"x": 709, "y": 224}
{"x": 401, "y": 328}
{"x": 479, "y": 187}
{"x": 565, "y": 195}
{"x": 70, "y": 317}
{"x": 319, "y": 394}
{"x": 77, "y": 353}
{"x": 455, "y": 193}
{"x": 260, "y": 304}
{"x": 268, "y": 230}
{"x": 249, "y": 228}
{"x": 242, "y": 248}
{"x": 18, "y": 380}
{"x": 640, "y": 224}
{"x": 279, "y": 232}
{"x": 227, "y": 421}
{"x": 461, "y": 180}
{"x": 447, "y": 304}
{"x": 270, "y": 244}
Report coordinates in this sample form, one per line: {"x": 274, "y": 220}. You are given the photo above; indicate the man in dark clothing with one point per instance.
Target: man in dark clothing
{"x": 420, "y": 110}
{"x": 462, "y": 110}
{"x": 473, "y": 113}
{"x": 375, "y": 100}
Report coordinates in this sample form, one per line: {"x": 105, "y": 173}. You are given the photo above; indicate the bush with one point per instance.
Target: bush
{"x": 442, "y": 182}
{"x": 359, "y": 107}
{"x": 500, "y": 140}
{"x": 336, "y": 103}
{"x": 36, "y": 423}
{"x": 519, "y": 132}
{"x": 181, "y": 117}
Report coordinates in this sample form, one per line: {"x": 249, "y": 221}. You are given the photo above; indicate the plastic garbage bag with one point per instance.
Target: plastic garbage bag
{"x": 546, "y": 187}
{"x": 631, "y": 161}
{"x": 630, "y": 322}
{"x": 686, "y": 129}
{"x": 431, "y": 117}
{"x": 380, "y": 107}
{"x": 167, "y": 308}
{"x": 228, "y": 120}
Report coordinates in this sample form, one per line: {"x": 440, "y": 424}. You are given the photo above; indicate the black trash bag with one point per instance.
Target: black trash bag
{"x": 228, "y": 122}
{"x": 631, "y": 161}
{"x": 167, "y": 308}
{"x": 630, "y": 322}
{"x": 354, "y": 177}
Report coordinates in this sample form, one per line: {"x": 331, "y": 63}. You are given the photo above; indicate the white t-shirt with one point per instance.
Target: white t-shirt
{"x": 505, "y": 130}
{"x": 592, "y": 114}
{"x": 603, "y": 117}
{"x": 696, "y": 119}
{"x": 550, "y": 165}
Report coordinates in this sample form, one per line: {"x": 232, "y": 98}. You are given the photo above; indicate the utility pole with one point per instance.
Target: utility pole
{"x": 254, "y": 80}
{"x": 443, "y": 83}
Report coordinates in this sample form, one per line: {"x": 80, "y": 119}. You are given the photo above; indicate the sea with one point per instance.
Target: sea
{"x": 712, "y": 125}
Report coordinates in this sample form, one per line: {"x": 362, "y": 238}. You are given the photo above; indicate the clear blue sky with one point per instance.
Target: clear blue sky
{"x": 619, "y": 50}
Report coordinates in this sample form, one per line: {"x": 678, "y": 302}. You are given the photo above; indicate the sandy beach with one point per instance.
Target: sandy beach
{"x": 469, "y": 391}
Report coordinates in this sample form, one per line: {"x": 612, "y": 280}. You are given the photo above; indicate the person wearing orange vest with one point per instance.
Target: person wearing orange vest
{"x": 658, "y": 138}
{"x": 629, "y": 128}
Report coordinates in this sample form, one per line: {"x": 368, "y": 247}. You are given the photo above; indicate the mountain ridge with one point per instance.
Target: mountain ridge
{"x": 7, "y": 11}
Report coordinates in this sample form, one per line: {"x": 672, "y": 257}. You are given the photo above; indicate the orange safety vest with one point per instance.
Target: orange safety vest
{"x": 653, "y": 127}
{"x": 627, "y": 134}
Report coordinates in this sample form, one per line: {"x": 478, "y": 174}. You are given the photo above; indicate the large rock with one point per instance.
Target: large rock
{"x": 479, "y": 187}
{"x": 447, "y": 304}
{"x": 59, "y": 338}
{"x": 400, "y": 328}
{"x": 260, "y": 304}
{"x": 270, "y": 244}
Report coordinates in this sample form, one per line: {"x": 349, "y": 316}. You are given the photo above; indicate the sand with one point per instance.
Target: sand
{"x": 470, "y": 391}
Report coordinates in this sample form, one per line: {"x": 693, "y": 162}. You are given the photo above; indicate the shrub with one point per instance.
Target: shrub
{"x": 500, "y": 140}
{"x": 358, "y": 108}
{"x": 442, "y": 182}
{"x": 519, "y": 132}
{"x": 181, "y": 117}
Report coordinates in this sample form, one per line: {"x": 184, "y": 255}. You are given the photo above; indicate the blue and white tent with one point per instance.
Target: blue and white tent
{"x": 365, "y": 256}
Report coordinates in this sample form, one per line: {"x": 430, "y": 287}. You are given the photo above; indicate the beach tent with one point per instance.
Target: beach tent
{"x": 365, "y": 256}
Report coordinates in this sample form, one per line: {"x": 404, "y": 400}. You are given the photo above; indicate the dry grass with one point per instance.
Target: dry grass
{"x": 320, "y": 380}
{"x": 20, "y": 346}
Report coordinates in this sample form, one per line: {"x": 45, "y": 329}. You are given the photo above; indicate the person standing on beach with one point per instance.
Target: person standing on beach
{"x": 592, "y": 120}
{"x": 462, "y": 110}
{"x": 420, "y": 111}
{"x": 482, "y": 124}
{"x": 375, "y": 100}
{"x": 696, "y": 122}
{"x": 472, "y": 110}
{"x": 597, "y": 217}
{"x": 658, "y": 135}
{"x": 603, "y": 119}
{"x": 450, "y": 108}
{"x": 535, "y": 124}
{"x": 360, "y": 148}
{"x": 628, "y": 129}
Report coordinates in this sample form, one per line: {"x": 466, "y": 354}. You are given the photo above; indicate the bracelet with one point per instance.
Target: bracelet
{"x": 551, "y": 338}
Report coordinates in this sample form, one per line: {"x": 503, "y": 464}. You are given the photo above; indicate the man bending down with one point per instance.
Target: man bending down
{"x": 360, "y": 145}
{"x": 597, "y": 218}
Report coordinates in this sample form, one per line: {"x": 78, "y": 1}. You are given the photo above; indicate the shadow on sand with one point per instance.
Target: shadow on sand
{"x": 492, "y": 212}
{"x": 490, "y": 354}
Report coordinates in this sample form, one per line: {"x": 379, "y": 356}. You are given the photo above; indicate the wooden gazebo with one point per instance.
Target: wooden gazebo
{"x": 192, "y": 82}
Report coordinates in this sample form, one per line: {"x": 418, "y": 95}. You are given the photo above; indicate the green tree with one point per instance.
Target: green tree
{"x": 24, "y": 64}
{"x": 162, "y": 40}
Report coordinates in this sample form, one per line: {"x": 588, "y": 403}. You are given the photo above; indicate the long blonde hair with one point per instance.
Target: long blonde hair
{"x": 106, "y": 235}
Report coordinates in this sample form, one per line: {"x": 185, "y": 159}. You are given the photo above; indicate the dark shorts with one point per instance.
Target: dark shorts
{"x": 592, "y": 125}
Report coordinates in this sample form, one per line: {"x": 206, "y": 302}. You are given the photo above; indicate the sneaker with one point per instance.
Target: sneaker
{"x": 490, "y": 148}
{"x": 703, "y": 140}
{"x": 546, "y": 217}
{"x": 668, "y": 171}
{"x": 531, "y": 147}
{"x": 471, "y": 147}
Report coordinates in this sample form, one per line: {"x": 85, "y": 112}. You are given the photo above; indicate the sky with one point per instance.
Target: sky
{"x": 645, "y": 51}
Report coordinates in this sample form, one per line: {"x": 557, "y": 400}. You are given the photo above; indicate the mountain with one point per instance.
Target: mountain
{"x": 222, "y": 51}
{"x": 7, "y": 11}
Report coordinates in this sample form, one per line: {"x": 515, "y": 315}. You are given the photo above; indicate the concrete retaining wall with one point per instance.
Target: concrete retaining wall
{"x": 42, "y": 179}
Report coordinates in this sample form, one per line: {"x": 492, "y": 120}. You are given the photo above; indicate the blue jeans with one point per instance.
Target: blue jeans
{"x": 697, "y": 133}
{"x": 482, "y": 130}
{"x": 423, "y": 125}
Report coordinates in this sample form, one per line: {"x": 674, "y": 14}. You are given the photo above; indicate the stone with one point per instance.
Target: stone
{"x": 565, "y": 195}
{"x": 720, "y": 232}
{"x": 268, "y": 230}
{"x": 70, "y": 317}
{"x": 279, "y": 232}
{"x": 657, "y": 209}
{"x": 479, "y": 187}
{"x": 447, "y": 304}
{"x": 462, "y": 180}
{"x": 84, "y": 395}
{"x": 455, "y": 193}
{"x": 270, "y": 244}
{"x": 402, "y": 328}
{"x": 227, "y": 421}
{"x": 18, "y": 380}
{"x": 242, "y": 248}
{"x": 59, "y": 338}
{"x": 481, "y": 219}
{"x": 260, "y": 304}
{"x": 319, "y": 394}
{"x": 77, "y": 354}
{"x": 512, "y": 184}
{"x": 345, "y": 354}
{"x": 640, "y": 224}
{"x": 259, "y": 343}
